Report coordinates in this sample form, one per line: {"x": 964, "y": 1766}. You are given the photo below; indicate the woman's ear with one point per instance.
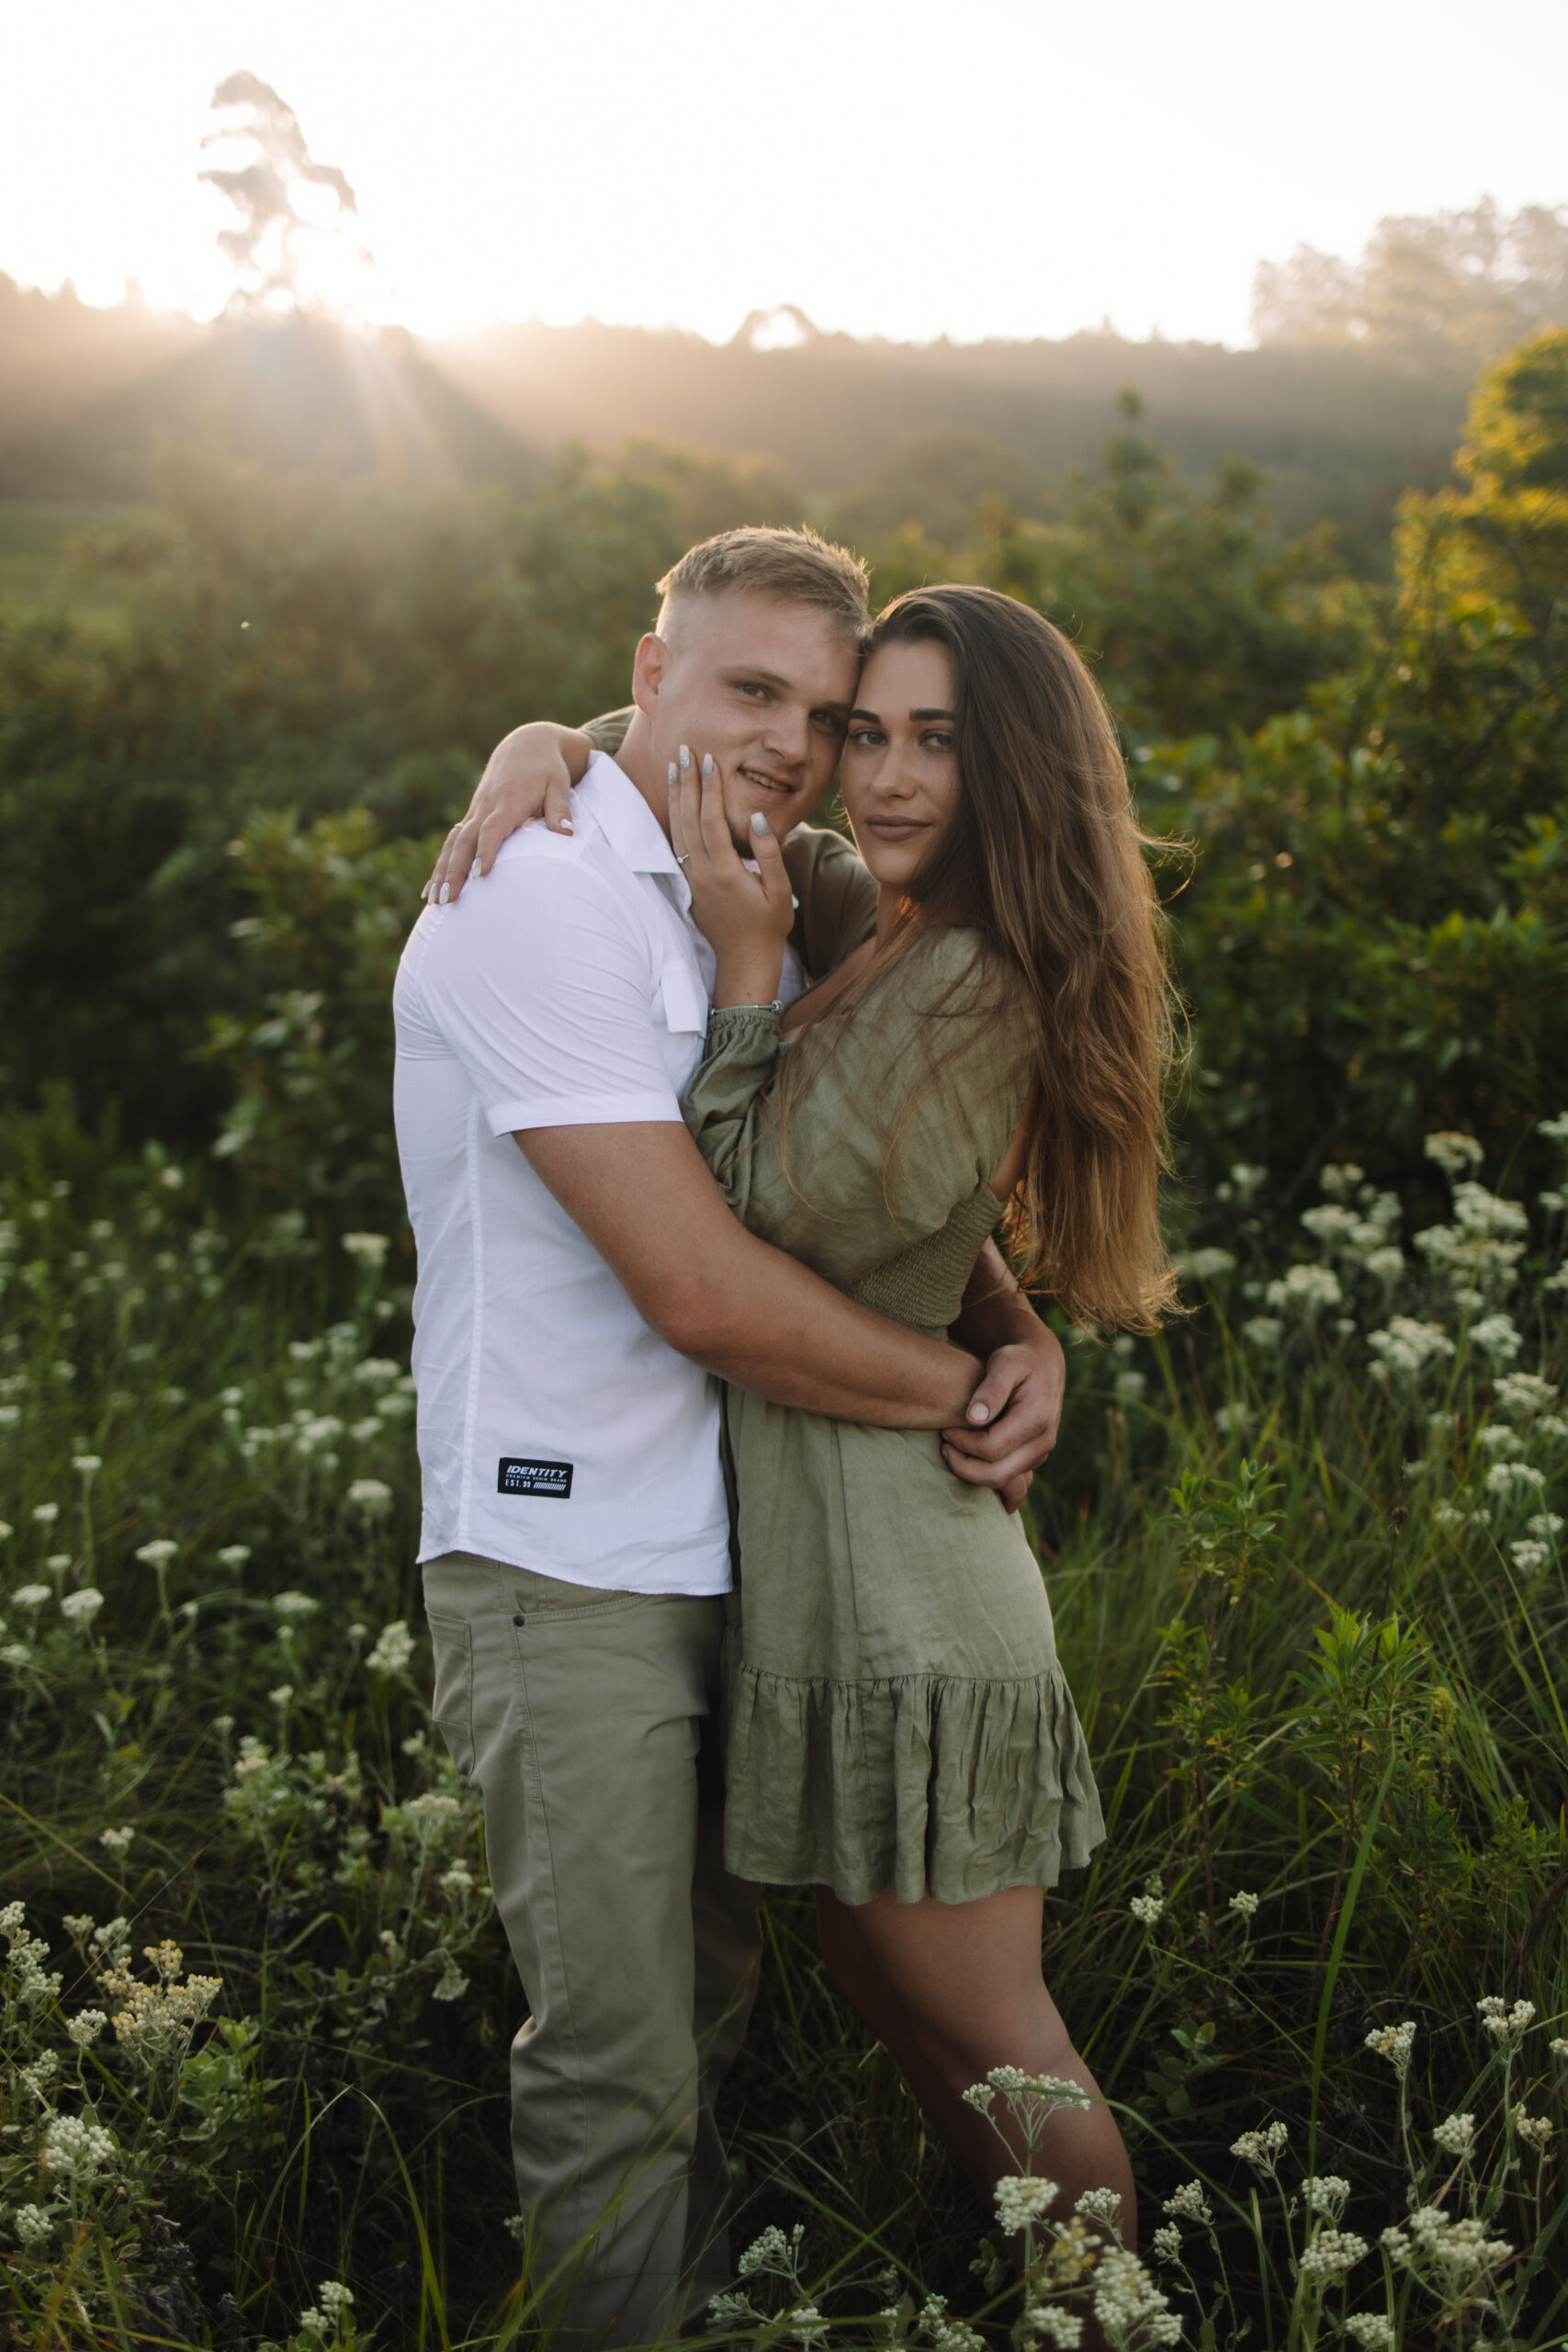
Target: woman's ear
{"x": 648, "y": 672}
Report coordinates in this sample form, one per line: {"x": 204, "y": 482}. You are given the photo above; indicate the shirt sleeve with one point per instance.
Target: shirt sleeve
{"x": 544, "y": 990}
{"x": 608, "y": 732}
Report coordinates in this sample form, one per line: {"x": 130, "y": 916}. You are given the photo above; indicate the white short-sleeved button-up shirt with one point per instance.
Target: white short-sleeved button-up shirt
{"x": 557, "y": 1430}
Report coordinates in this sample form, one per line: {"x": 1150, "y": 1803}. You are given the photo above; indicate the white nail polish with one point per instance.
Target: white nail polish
{"x": 475, "y": 871}
{"x": 685, "y": 757}
{"x": 566, "y": 824}
{"x": 671, "y": 775}
{"x": 445, "y": 892}
{"x": 707, "y": 763}
{"x": 759, "y": 822}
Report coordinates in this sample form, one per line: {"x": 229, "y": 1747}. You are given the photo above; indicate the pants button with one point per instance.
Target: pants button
{"x": 519, "y": 1619}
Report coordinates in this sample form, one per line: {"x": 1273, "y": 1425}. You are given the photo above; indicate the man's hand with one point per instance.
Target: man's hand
{"x": 529, "y": 775}
{"x": 1012, "y": 1421}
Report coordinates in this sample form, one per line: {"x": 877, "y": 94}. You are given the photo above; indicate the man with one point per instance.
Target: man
{"x": 581, "y": 1281}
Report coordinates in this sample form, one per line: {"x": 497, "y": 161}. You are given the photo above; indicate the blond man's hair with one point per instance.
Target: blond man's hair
{"x": 788, "y": 567}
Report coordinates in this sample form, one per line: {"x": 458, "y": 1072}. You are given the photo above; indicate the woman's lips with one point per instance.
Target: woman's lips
{"x": 896, "y": 829}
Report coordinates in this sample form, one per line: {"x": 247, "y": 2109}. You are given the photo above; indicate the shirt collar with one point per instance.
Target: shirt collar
{"x": 625, "y": 819}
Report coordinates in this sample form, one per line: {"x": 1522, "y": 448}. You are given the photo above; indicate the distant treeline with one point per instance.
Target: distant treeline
{"x": 1355, "y": 393}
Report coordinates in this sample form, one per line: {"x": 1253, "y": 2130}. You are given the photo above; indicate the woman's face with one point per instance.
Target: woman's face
{"x": 899, "y": 775}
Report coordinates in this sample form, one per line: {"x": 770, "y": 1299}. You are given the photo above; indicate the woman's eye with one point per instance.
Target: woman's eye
{"x": 937, "y": 741}
{"x": 866, "y": 739}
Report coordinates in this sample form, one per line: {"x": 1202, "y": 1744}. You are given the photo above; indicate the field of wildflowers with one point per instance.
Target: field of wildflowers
{"x": 1306, "y": 1558}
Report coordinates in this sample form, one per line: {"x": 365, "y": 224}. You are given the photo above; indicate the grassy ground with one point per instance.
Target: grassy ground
{"x": 1306, "y": 1565}
{"x": 36, "y": 569}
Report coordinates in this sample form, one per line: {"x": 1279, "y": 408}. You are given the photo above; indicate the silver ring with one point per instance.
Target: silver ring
{"x": 684, "y": 860}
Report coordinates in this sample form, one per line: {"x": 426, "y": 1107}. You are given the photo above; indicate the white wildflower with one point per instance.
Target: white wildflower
{"x": 1408, "y": 1350}
{"x": 1374, "y": 2331}
{"x": 394, "y": 1648}
{"x": 1504, "y": 2024}
{"x": 430, "y": 1811}
{"x": 1263, "y": 1331}
{"x": 1305, "y": 1290}
{"x": 1395, "y": 2043}
{"x": 31, "y": 1596}
{"x": 117, "y": 1841}
{"x": 76, "y": 2149}
{"x": 80, "y": 1608}
{"x": 233, "y": 1556}
{"x": 1128, "y": 2304}
{"x": 1206, "y": 1265}
{"x": 1166, "y": 2242}
{"x": 1262, "y": 2149}
{"x": 1512, "y": 1480}
{"x": 1546, "y": 1526}
{"x": 1454, "y": 1153}
{"x": 33, "y": 2225}
{"x": 1535, "y": 2131}
{"x": 1326, "y": 2192}
{"x": 1462, "y": 2249}
{"x": 1332, "y": 2254}
{"x": 86, "y": 1465}
{"x": 1022, "y": 2199}
{"x": 367, "y": 1250}
{"x": 158, "y": 1554}
{"x": 15, "y": 1653}
{"x": 1055, "y": 2326}
{"x": 1099, "y": 2205}
{"x": 1529, "y": 1556}
{"x": 372, "y": 1497}
{"x": 1555, "y": 1130}
{"x": 1455, "y": 2134}
{"x": 1558, "y": 2046}
{"x": 293, "y": 1607}
{"x": 1384, "y": 1265}
{"x": 1189, "y": 2204}
{"x": 46, "y": 1513}
{"x": 1448, "y": 1515}
{"x": 1498, "y": 1336}
{"x": 86, "y": 2026}
{"x": 1246, "y": 1178}
{"x": 1523, "y": 1395}
{"x": 1502, "y": 1444}
{"x": 452, "y": 1982}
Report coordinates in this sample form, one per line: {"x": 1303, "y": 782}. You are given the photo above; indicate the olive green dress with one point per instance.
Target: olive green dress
{"x": 896, "y": 1715}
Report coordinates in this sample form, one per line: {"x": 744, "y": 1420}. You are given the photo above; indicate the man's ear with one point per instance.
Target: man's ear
{"x": 648, "y": 672}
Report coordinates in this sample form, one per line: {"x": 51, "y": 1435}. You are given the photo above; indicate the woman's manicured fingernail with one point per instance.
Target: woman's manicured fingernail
{"x": 671, "y": 775}
{"x": 445, "y": 892}
{"x": 566, "y": 824}
{"x": 707, "y": 763}
{"x": 685, "y": 757}
{"x": 475, "y": 870}
{"x": 759, "y": 822}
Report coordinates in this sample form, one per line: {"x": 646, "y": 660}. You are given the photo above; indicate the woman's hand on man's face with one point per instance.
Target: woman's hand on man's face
{"x": 745, "y": 917}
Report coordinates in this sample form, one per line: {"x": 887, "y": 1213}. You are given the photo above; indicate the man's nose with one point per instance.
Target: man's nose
{"x": 787, "y": 735}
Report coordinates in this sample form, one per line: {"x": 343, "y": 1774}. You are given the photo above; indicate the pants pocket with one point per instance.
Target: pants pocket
{"x": 452, "y": 1703}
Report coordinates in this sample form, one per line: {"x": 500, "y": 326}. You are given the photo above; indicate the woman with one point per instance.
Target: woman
{"x": 900, "y": 1734}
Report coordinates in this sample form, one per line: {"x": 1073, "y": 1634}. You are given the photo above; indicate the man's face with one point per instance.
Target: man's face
{"x": 764, "y": 688}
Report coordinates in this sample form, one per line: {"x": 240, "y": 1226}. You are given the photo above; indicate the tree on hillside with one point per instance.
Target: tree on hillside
{"x": 290, "y": 245}
{"x": 1475, "y": 282}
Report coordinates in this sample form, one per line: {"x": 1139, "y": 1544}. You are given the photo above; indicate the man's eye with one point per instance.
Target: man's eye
{"x": 750, "y": 686}
{"x": 826, "y": 719}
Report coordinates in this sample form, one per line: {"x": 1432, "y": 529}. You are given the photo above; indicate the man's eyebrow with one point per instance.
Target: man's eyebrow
{"x": 739, "y": 670}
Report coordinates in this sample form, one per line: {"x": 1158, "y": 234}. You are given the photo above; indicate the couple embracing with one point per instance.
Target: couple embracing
{"x": 726, "y": 1396}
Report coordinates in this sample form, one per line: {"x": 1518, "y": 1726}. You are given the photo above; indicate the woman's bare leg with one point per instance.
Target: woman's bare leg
{"x": 953, "y": 1989}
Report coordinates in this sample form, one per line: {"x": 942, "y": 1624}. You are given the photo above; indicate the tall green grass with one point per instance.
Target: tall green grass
{"x": 1311, "y": 1597}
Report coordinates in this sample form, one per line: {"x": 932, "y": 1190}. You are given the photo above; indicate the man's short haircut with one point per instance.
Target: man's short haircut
{"x": 789, "y": 567}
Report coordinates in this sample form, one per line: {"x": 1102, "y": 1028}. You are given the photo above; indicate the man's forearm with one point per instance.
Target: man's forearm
{"x": 994, "y": 1313}
{"x": 787, "y": 1335}
{"x": 647, "y": 1204}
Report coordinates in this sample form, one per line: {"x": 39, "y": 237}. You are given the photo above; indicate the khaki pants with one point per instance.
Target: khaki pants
{"x": 588, "y": 1720}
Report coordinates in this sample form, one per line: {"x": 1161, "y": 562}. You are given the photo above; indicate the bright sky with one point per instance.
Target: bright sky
{"x": 901, "y": 167}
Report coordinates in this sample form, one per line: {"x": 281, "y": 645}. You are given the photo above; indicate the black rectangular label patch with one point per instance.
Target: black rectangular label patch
{"x": 534, "y": 1479}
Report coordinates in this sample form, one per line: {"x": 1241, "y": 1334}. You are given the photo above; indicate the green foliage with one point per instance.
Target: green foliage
{"x": 1374, "y": 943}
{"x": 1309, "y": 1593}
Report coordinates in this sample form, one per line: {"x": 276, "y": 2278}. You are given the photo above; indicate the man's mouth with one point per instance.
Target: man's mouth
{"x": 772, "y": 784}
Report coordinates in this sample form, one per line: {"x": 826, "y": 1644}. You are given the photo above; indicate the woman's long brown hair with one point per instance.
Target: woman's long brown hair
{"x": 1045, "y": 859}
